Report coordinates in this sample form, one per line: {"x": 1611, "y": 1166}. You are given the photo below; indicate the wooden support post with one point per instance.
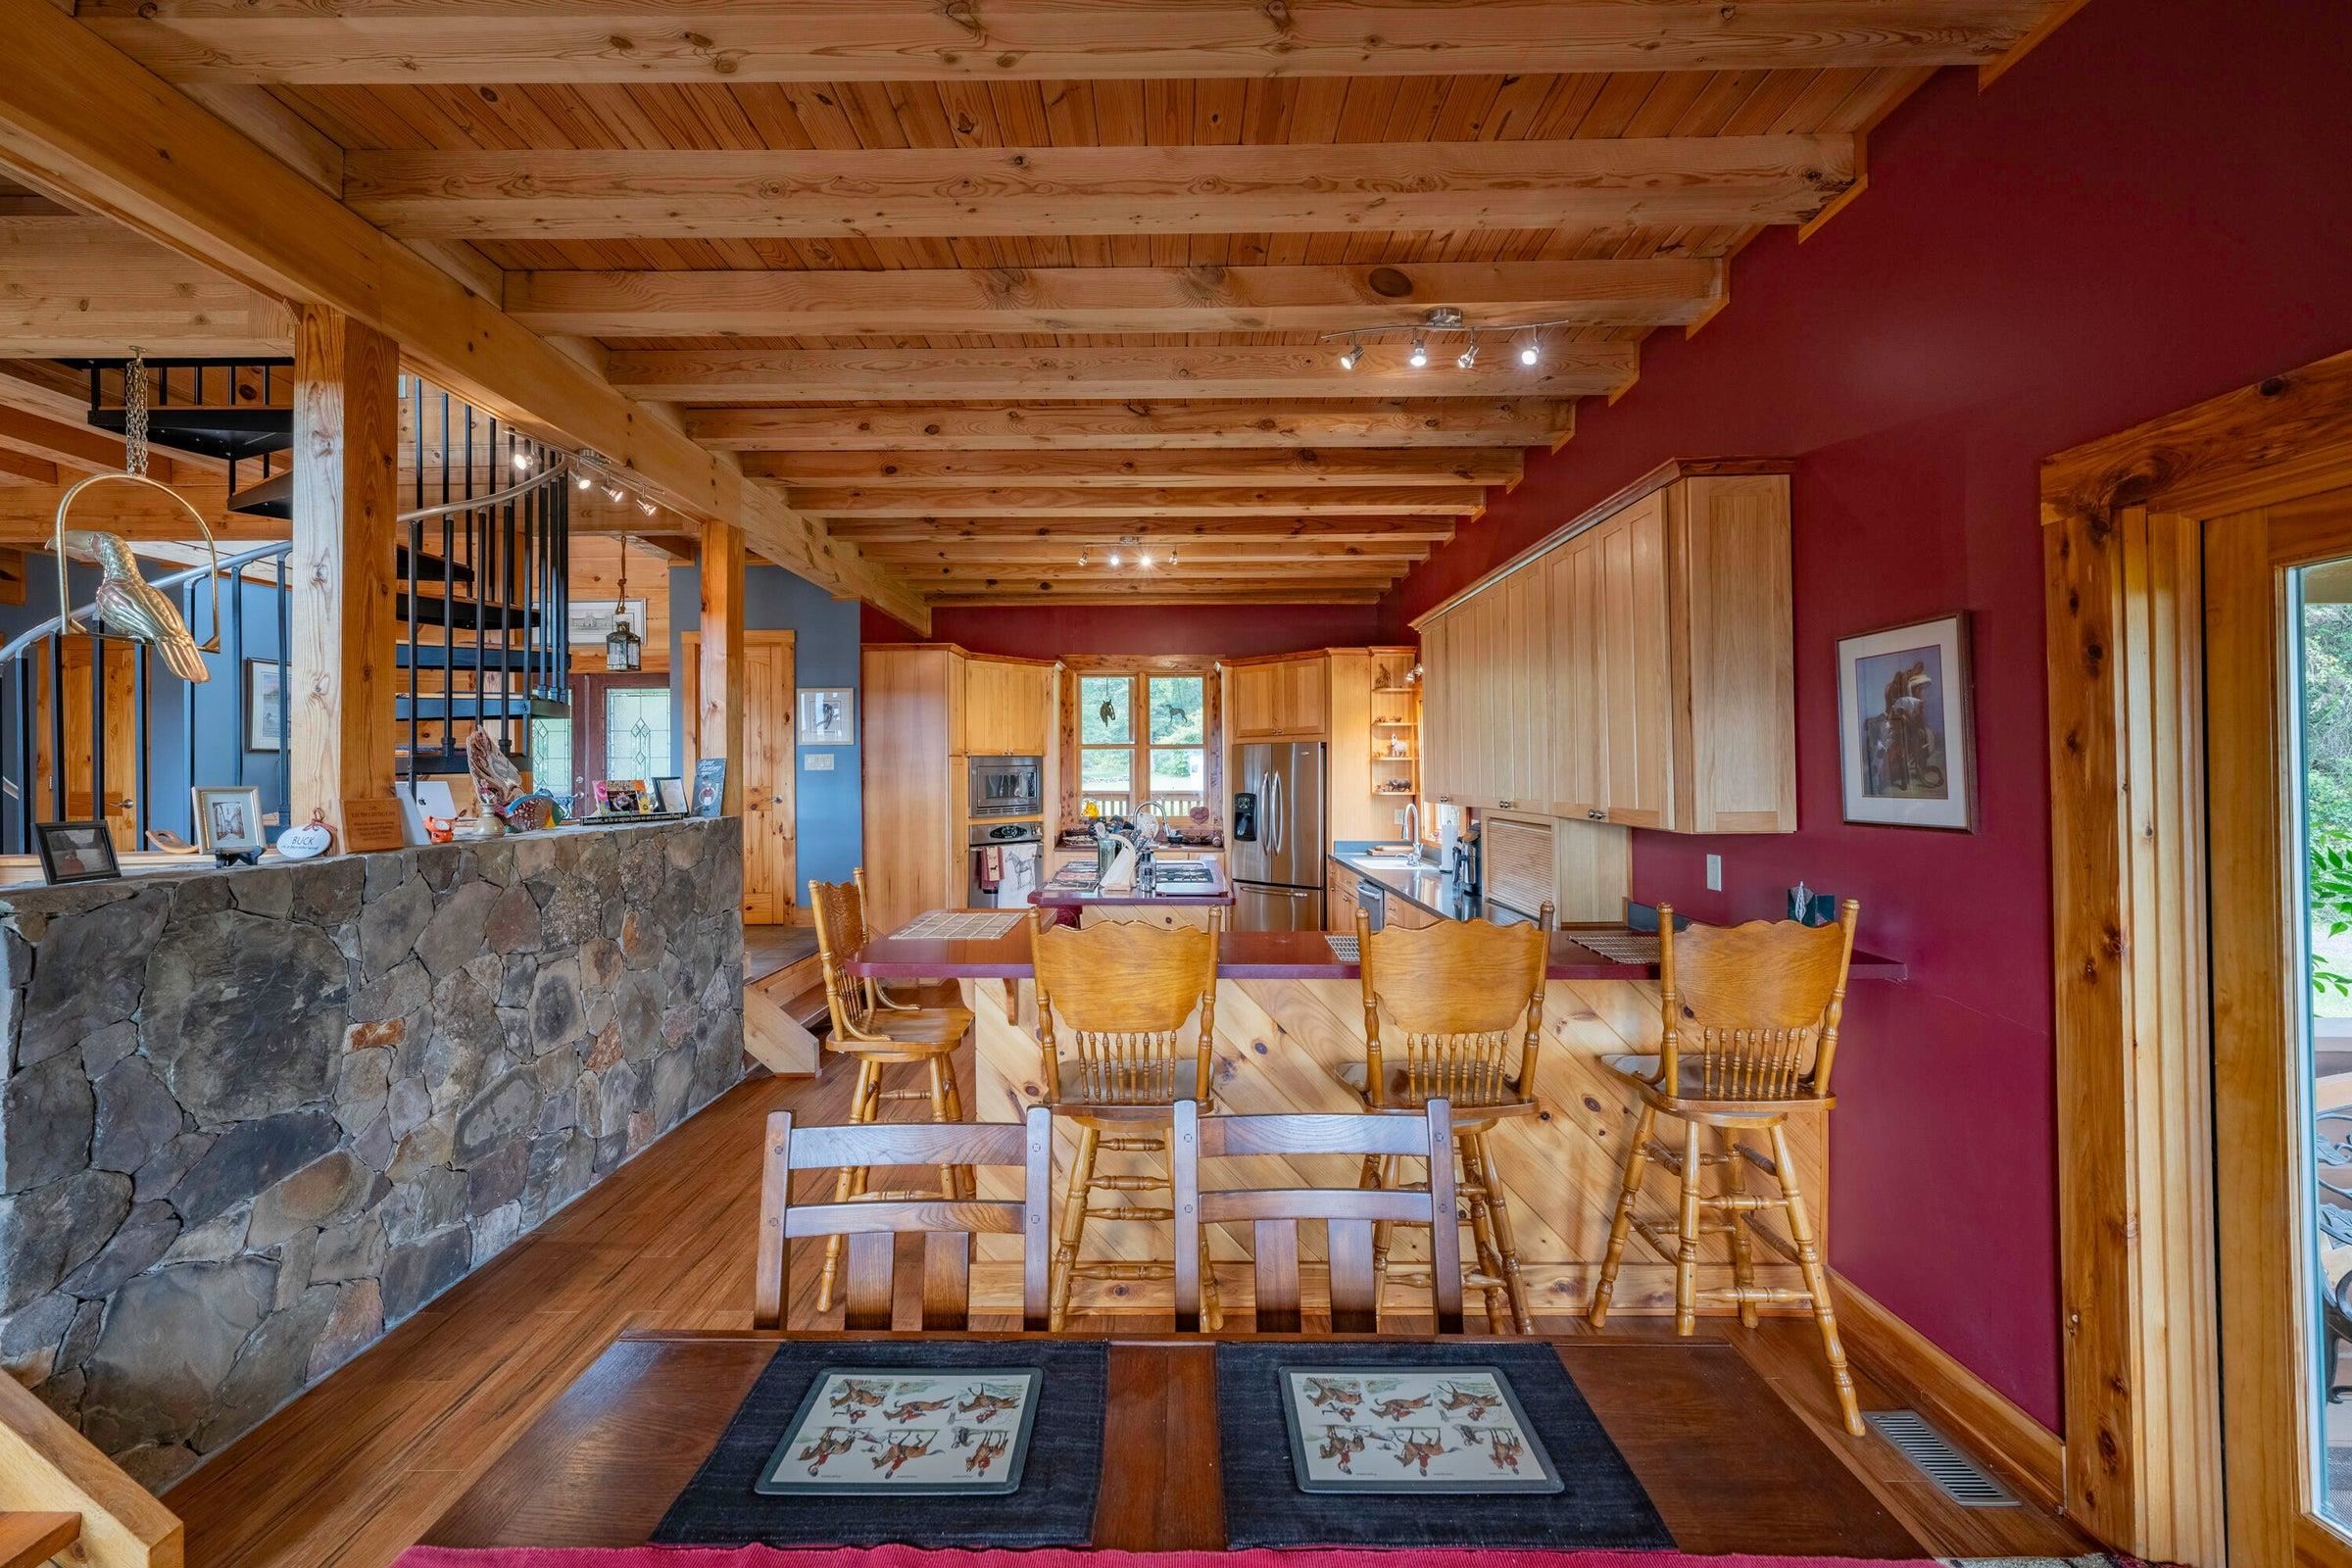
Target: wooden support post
{"x": 718, "y": 724}
{"x": 346, "y": 464}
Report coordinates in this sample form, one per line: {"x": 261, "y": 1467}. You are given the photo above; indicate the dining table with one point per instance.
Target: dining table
{"x": 1728, "y": 1467}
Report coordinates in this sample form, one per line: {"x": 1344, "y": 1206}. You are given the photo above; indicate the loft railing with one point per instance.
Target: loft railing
{"x": 93, "y": 725}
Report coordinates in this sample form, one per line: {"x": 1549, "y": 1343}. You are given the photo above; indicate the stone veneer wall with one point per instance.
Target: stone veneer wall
{"x": 252, "y": 1119}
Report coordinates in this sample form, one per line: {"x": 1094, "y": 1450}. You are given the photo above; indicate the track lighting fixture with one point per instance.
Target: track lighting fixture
{"x": 646, "y": 506}
{"x": 583, "y": 481}
{"x": 1082, "y": 558}
{"x": 1114, "y": 558}
{"x": 1420, "y": 355}
{"x": 1353, "y": 357}
{"x": 1145, "y": 561}
{"x": 1444, "y": 321}
{"x": 522, "y": 460}
{"x": 1468, "y": 359}
{"x": 1527, "y": 353}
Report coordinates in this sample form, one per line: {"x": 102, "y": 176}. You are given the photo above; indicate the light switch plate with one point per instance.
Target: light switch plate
{"x": 816, "y": 761}
{"x": 1714, "y": 873}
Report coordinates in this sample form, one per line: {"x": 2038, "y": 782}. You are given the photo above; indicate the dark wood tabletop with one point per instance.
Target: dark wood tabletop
{"x": 1250, "y": 956}
{"x": 1729, "y": 1467}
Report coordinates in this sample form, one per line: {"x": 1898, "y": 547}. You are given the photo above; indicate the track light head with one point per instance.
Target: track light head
{"x": 1353, "y": 357}
{"x": 582, "y": 481}
{"x": 1145, "y": 561}
{"x": 646, "y": 506}
{"x": 1420, "y": 355}
{"x": 1468, "y": 359}
{"x": 1114, "y": 558}
{"x": 615, "y": 493}
{"x": 1527, "y": 355}
{"x": 522, "y": 460}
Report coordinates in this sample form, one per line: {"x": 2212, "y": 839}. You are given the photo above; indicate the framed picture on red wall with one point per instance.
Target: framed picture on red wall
{"x": 1906, "y": 737}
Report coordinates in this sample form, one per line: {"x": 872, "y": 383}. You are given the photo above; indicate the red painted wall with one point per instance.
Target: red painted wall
{"x": 1232, "y": 631}
{"x": 2153, "y": 208}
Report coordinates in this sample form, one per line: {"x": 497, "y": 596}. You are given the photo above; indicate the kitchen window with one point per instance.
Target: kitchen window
{"x": 1144, "y": 742}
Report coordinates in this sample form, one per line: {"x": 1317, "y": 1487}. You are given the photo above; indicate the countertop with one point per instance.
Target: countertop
{"x": 1421, "y": 884}
{"x": 1217, "y": 890}
{"x": 1254, "y": 955}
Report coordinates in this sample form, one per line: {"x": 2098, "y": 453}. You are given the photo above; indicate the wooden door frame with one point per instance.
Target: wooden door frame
{"x": 688, "y": 680}
{"x": 2126, "y": 522}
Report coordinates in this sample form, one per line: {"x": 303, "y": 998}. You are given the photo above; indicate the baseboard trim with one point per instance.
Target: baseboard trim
{"x": 1968, "y": 1408}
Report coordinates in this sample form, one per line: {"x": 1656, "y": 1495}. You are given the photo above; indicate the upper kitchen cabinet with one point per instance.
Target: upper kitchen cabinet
{"x": 1634, "y": 670}
{"x": 1282, "y": 697}
{"x": 1007, "y": 707}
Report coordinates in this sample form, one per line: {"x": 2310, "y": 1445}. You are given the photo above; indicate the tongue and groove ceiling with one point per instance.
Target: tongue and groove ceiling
{"x": 984, "y": 284}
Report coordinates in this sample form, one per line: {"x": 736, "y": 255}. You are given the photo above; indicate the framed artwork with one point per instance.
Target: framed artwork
{"x": 75, "y": 852}
{"x": 228, "y": 820}
{"x": 710, "y": 786}
{"x": 591, "y": 620}
{"x": 670, "y": 795}
{"x": 623, "y": 796}
{"x": 264, "y": 706}
{"x": 1406, "y": 1429}
{"x": 907, "y": 1431}
{"x": 827, "y": 715}
{"x": 1906, "y": 740}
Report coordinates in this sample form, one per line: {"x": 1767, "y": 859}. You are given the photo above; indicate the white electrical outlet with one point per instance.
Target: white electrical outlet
{"x": 816, "y": 761}
{"x": 1714, "y": 873}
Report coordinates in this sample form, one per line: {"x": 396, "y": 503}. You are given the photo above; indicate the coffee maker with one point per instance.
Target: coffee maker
{"x": 1461, "y": 864}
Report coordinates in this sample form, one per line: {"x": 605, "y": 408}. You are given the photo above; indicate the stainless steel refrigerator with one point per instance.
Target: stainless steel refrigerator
{"x": 1277, "y": 836}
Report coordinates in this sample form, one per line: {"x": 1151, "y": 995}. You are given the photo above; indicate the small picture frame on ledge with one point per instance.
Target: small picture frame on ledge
{"x": 710, "y": 786}
{"x": 228, "y": 820}
{"x": 75, "y": 852}
{"x": 670, "y": 796}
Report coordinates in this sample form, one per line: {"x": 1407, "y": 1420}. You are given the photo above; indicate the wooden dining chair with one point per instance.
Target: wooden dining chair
{"x": 1349, "y": 1214}
{"x": 1465, "y": 1002}
{"x": 1750, "y": 1015}
{"x": 871, "y": 1226}
{"x": 877, "y": 1032}
{"x": 1121, "y": 992}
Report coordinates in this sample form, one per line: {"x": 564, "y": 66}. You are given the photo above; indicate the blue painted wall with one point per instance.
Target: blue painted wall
{"x": 216, "y": 709}
{"x": 831, "y": 821}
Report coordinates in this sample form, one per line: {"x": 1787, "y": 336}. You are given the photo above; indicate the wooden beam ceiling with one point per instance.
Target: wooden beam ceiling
{"x": 1664, "y": 291}
{"x": 75, "y": 287}
{"x": 79, "y": 120}
{"x": 1142, "y": 425}
{"x": 1147, "y": 591}
{"x": 414, "y": 41}
{"x": 1067, "y": 529}
{"x": 581, "y": 194}
{"x": 1277, "y": 464}
{"x": 28, "y": 514}
{"x": 1399, "y": 553}
{"x": 1210, "y": 371}
{"x": 1138, "y": 500}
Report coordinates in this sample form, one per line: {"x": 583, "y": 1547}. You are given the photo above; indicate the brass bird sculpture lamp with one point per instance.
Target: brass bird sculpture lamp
{"x": 124, "y": 603}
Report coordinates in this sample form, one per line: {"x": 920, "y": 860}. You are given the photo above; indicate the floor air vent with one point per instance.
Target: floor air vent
{"x": 1907, "y": 1432}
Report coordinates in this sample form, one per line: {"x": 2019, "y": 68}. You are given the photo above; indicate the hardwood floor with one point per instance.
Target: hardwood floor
{"x": 360, "y": 1466}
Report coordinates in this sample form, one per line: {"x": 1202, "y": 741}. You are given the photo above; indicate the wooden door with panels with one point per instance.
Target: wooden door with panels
{"x": 769, "y": 821}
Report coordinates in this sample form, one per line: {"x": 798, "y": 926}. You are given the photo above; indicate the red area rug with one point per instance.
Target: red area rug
{"x": 913, "y": 1557}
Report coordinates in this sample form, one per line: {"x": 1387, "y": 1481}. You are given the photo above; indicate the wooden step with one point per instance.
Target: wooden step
{"x": 465, "y": 614}
{"x": 465, "y": 707}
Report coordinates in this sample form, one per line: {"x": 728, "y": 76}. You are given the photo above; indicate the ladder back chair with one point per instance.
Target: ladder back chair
{"x": 1121, "y": 992}
{"x": 872, "y": 1226}
{"x": 878, "y": 1032}
{"x": 1465, "y": 999}
{"x": 1750, "y": 1016}
{"x": 1349, "y": 1214}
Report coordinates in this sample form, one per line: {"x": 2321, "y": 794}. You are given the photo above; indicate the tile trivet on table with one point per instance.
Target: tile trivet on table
{"x": 1620, "y": 946}
{"x": 1344, "y": 950}
{"x": 958, "y": 925}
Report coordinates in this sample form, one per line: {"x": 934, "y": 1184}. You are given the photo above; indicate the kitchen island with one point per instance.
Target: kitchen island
{"x": 1288, "y": 1019}
{"x": 1180, "y": 893}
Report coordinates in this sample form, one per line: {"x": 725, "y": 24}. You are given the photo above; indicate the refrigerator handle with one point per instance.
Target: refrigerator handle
{"x": 1273, "y": 813}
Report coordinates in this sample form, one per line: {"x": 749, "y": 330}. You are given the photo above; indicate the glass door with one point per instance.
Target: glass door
{"x": 2278, "y": 748}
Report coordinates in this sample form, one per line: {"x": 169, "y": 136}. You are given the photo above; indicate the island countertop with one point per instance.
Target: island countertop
{"x": 1215, "y": 890}
{"x": 1264, "y": 955}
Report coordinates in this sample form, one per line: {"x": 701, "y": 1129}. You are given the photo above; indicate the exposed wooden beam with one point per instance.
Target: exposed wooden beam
{"x": 421, "y": 42}
{"x": 27, "y": 513}
{"x": 1140, "y": 425}
{"x": 74, "y": 288}
{"x": 1670, "y": 290}
{"x": 912, "y": 192}
{"x": 81, "y": 120}
{"x": 973, "y": 578}
{"x": 82, "y": 448}
{"x": 908, "y": 556}
{"x": 18, "y": 468}
{"x": 1278, "y": 466}
{"x": 1140, "y": 501}
{"x": 1208, "y": 370}
{"x": 718, "y": 687}
{"x": 1161, "y": 593}
{"x": 1066, "y": 528}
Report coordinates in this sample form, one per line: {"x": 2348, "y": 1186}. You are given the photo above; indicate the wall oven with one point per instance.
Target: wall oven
{"x": 1006, "y": 786}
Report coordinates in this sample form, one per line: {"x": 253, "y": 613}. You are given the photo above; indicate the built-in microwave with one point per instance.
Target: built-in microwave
{"x": 1006, "y": 786}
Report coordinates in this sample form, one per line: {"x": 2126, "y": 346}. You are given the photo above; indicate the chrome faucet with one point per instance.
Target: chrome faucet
{"x": 1412, "y": 830}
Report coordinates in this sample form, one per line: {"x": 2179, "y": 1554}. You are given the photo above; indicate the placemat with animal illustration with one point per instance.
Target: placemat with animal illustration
{"x": 971, "y": 1443}
{"x": 1412, "y": 1430}
{"x": 1438, "y": 1415}
{"x": 868, "y": 1431}
{"x": 958, "y": 925}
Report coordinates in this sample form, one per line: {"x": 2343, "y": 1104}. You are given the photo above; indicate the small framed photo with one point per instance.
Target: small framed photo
{"x": 1906, "y": 740}
{"x": 623, "y": 796}
{"x": 75, "y": 852}
{"x": 710, "y": 786}
{"x": 827, "y": 715}
{"x": 670, "y": 795}
{"x": 228, "y": 820}
{"x": 590, "y": 620}
{"x": 264, "y": 706}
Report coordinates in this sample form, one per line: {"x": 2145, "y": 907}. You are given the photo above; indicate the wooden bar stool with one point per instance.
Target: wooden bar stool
{"x": 1456, "y": 992}
{"x": 879, "y": 1032}
{"x": 1123, "y": 990}
{"x": 1750, "y": 1017}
